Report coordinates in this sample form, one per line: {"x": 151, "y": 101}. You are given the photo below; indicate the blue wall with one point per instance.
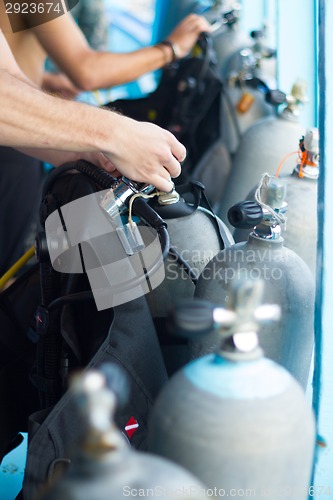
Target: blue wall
{"x": 323, "y": 374}
{"x": 293, "y": 30}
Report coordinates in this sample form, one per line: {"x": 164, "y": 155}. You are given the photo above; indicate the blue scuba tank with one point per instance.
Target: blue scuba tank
{"x": 235, "y": 419}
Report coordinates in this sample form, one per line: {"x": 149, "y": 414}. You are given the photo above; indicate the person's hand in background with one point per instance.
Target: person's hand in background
{"x": 60, "y": 85}
{"x": 186, "y": 33}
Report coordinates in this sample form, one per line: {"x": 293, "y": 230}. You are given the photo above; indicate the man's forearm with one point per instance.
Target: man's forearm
{"x": 32, "y": 119}
{"x": 48, "y": 122}
{"x": 104, "y": 69}
{"x": 90, "y": 69}
{"x": 55, "y": 158}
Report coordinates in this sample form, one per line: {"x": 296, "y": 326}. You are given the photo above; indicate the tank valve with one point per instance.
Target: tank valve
{"x": 266, "y": 214}
{"x": 237, "y": 325}
{"x": 308, "y": 166}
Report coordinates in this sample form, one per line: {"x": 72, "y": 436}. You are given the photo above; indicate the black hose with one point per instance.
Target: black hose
{"x": 97, "y": 174}
{"x": 165, "y": 241}
{"x": 70, "y": 299}
{"x": 50, "y": 343}
{"x": 152, "y": 218}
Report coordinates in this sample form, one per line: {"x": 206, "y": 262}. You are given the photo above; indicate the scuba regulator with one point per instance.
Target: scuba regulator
{"x": 80, "y": 234}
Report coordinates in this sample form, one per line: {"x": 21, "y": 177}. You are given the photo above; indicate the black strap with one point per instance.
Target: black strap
{"x": 44, "y": 385}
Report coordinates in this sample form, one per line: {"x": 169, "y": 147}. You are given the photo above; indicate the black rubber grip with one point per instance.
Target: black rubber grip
{"x": 191, "y": 319}
{"x": 255, "y": 34}
{"x": 245, "y": 215}
{"x": 275, "y": 97}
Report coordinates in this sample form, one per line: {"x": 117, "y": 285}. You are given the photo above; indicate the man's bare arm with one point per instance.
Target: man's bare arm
{"x": 141, "y": 151}
{"x": 88, "y": 69}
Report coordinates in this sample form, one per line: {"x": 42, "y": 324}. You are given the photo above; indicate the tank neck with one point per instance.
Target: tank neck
{"x": 264, "y": 242}
{"x": 307, "y": 172}
{"x": 308, "y": 166}
{"x": 238, "y": 329}
{"x": 270, "y": 195}
{"x": 97, "y": 403}
{"x": 242, "y": 346}
{"x": 268, "y": 232}
{"x": 295, "y": 102}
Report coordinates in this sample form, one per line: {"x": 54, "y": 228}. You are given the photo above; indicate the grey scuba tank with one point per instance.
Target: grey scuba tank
{"x": 300, "y": 233}
{"x": 261, "y": 149}
{"x": 228, "y": 37}
{"x": 263, "y": 56}
{"x": 250, "y": 93}
{"x": 288, "y": 281}
{"x": 196, "y": 236}
{"x": 104, "y": 466}
{"x": 235, "y": 419}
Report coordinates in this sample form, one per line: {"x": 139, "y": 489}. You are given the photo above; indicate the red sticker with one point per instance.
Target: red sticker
{"x": 131, "y": 426}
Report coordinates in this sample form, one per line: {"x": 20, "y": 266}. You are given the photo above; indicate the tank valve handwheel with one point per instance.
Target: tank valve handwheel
{"x": 245, "y": 215}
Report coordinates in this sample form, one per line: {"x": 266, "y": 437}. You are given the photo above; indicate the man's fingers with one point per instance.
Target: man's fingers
{"x": 178, "y": 150}
{"x": 172, "y": 167}
{"x": 107, "y": 164}
{"x": 162, "y": 184}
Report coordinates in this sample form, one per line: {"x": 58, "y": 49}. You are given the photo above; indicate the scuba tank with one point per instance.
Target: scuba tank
{"x": 234, "y": 418}
{"x": 105, "y": 466}
{"x": 264, "y": 56}
{"x": 261, "y": 149}
{"x": 196, "y": 236}
{"x": 249, "y": 95}
{"x": 228, "y": 37}
{"x": 242, "y": 61}
{"x": 288, "y": 280}
{"x": 300, "y": 234}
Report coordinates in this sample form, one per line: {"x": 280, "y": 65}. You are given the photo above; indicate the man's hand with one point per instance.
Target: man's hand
{"x": 145, "y": 152}
{"x": 186, "y": 33}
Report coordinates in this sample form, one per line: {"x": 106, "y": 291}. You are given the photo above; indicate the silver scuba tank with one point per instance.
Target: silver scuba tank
{"x": 234, "y": 418}
{"x": 288, "y": 280}
{"x": 300, "y": 233}
{"x": 262, "y": 148}
{"x": 196, "y": 236}
{"x": 104, "y": 466}
{"x": 249, "y": 95}
{"x": 228, "y": 37}
{"x": 240, "y": 57}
